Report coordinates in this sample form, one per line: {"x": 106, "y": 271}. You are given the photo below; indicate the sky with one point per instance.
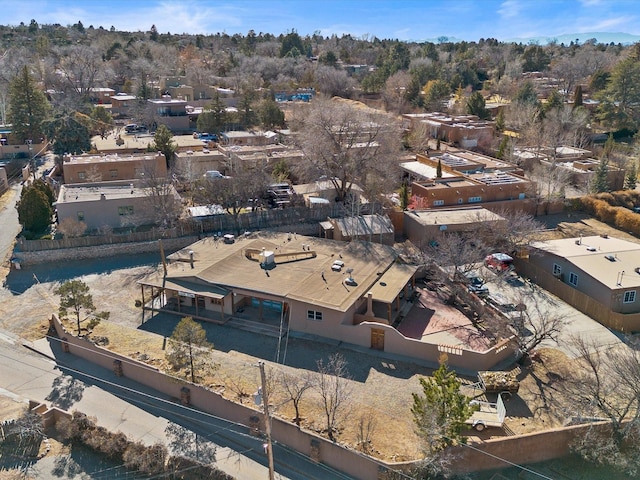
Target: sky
{"x": 415, "y": 20}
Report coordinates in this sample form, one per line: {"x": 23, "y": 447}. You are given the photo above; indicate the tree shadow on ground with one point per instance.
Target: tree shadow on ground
{"x": 66, "y": 391}
{"x": 185, "y": 443}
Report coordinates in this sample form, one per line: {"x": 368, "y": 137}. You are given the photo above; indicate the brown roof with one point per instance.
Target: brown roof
{"x": 311, "y": 280}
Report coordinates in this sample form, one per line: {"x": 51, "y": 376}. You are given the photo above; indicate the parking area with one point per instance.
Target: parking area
{"x": 516, "y": 290}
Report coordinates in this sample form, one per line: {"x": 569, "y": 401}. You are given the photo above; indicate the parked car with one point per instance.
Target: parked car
{"x": 208, "y": 137}
{"x": 500, "y": 262}
{"x": 214, "y": 174}
{"x": 135, "y": 128}
{"x": 475, "y": 284}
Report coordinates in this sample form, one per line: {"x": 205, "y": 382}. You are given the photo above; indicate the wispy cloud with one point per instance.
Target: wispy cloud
{"x": 509, "y": 9}
{"x": 591, "y": 3}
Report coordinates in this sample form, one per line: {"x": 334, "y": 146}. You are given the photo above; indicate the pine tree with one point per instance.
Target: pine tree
{"x": 441, "y": 411}
{"x": 28, "y": 108}
{"x": 34, "y": 207}
{"x": 600, "y": 182}
{"x": 577, "y": 97}
{"x": 189, "y": 348}
{"x": 439, "y": 169}
{"x": 631, "y": 179}
{"x": 75, "y": 298}
{"x": 500, "y": 124}
{"x": 163, "y": 142}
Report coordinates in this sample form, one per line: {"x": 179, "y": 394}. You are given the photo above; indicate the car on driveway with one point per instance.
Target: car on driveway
{"x": 500, "y": 262}
{"x": 476, "y": 284}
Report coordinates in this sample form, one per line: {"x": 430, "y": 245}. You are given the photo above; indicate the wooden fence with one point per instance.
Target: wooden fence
{"x": 219, "y": 224}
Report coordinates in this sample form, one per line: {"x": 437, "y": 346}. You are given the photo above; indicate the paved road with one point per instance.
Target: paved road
{"x": 142, "y": 414}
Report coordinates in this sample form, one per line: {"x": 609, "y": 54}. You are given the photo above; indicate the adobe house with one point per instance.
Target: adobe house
{"x": 598, "y": 275}
{"x": 112, "y": 167}
{"x": 170, "y": 112}
{"x": 424, "y": 226}
{"x": 354, "y": 292}
{"x": 113, "y": 204}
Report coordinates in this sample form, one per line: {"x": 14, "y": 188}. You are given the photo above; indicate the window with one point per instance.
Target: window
{"x": 126, "y": 210}
{"x": 113, "y": 173}
{"x": 573, "y": 279}
{"x": 475, "y": 199}
{"x": 438, "y": 203}
{"x": 80, "y": 215}
{"x": 629, "y": 296}
{"x": 557, "y": 270}
{"x": 82, "y": 175}
{"x": 521, "y": 196}
{"x": 313, "y": 315}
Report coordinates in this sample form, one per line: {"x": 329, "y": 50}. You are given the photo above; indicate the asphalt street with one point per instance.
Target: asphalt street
{"x": 143, "y": 414}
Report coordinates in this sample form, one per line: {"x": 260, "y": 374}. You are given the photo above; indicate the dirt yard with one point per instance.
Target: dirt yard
{"x": 381, "y": 398}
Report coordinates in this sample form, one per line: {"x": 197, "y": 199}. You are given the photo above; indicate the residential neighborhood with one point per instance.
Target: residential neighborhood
{"x": 322, "y": 256}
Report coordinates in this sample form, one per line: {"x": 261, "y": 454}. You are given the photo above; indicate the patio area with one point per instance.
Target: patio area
{"x": 431, "y": 320}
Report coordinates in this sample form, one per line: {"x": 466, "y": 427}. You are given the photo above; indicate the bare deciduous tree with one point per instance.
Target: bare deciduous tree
{"x": 333, "y": 384}
{"x": 605, "y": 384}
{"x": 295, "y": 386}
{"x": 346, "y": 143}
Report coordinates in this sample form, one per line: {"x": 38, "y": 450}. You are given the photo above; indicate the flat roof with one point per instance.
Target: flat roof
{"x": 310, "y": 280}
{"x": 454, "y": 216}
{"x": 89, "y": 192}
{"x": 590, "y": 254}
{"x": 423, "y": 170}
{"x": 108, "y": 158}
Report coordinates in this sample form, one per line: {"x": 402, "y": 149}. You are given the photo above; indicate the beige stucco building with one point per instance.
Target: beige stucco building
{"x": 598, "y": 275}
{"x": 112, "y": 167}
{"x": 354, "y": 292}
{"x": 112, "y": 204}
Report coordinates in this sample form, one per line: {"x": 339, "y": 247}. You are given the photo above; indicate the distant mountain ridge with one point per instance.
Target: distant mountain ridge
{"x": 566, "y": 38}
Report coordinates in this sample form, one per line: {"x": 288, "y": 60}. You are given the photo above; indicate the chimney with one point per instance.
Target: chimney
{"x": 103, "y": 196}
{"x": 369, "y": 304}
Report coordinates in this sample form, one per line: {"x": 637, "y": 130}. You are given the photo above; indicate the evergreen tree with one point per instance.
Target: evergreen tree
{"x": 163, "y": 142}
{"x": 101, "y": 121}
{"x": 75, "y": 298}
{"x": 215, "y": 118}
{"x": 441, "y": 411}
{"x": 28, "y": 108}
{"x": 577, "y": 97}
{"x": 600, "y": 182}
{"x": 502, "y": 149}
{"x": 270, "y": 114}
{"x": 439, "y": 169}
{"x": 526, "y": 94}
{"x": 69, "y": 133}
{"x": 476, "y": 105}
{"x": 189, "y": 348}
{"x": 34, "y": 207}
{"x": 153, "y": 33}
{"x": 631, "y": 178}
{"x": 500, "y": 123}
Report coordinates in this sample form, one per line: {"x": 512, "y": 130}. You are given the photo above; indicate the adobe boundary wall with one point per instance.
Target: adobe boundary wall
{"x": 521, "y": 449}
{"x": 314, "y": 446}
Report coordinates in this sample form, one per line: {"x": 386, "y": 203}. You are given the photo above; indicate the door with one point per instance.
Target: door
{"x": 377, "y": 339}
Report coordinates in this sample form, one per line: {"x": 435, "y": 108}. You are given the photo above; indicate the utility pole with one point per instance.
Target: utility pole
{"x": 267, "y": 419}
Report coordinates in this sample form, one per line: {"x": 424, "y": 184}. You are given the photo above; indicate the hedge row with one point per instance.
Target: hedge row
{"x": 613, "y": 208}
{"x": 151, "y": 460}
